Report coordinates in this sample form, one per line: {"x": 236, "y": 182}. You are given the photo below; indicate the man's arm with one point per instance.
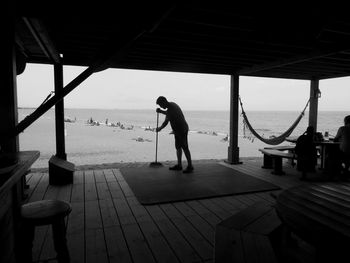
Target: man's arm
{"x": 161, "y": 111}
{"x": 339, "y": 134}
{"x": 165, "y": 123}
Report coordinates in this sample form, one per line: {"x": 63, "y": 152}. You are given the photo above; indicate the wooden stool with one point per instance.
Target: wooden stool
{"x": 45, "y": 212}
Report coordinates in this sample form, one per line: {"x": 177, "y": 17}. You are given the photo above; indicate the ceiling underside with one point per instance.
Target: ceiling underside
{"x": 265, "y": 40}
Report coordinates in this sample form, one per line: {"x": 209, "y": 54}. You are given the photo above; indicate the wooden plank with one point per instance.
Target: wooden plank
{"x": 76, "y": 247}
{"x": 157, "y": 243}
{"x": 221, "y": 213}
{"x": 95, "y": 250}
{"x": 40, "y": 190}
{"x": 175, "y": 239}
{"x": 206, "y": 214}
{"x": 89, "y": 177}
{"x": 282, "y": 148}
{"x": 272, "y": 152}
{"x": 90, "y": 192}
{"x": 202, "y": 246}
{"x": 115, "y": 190}
{"x": 139, "y": 211}
{"x": 264, "y": 249}
{"x": 48, "y": 250}
{"x": 245, "y": 217}
{"x": 124, "y": 213}
{"x": 32, "y": 183}
{"x": 108, "y": 213}
{"x": 76, "y": 219}
{"x": 265, "y": 224}
{"x": 228, "y": 247}
{"x": 139, "y": 249}
{"x": 154, "y": 238}
{"x": 126, "y": 189}
{"x": 103, "y": 191}
{"x": 78, "y": 193}
{"x": 92, "y": 215}
{"x": 109, "y": 175}
{"x": 39, "y": 239}
{"x": 65, "y": 192}
{"x": 203, "y": 227}
{"x": 116, "y": 245}
{"x": 76, "y": 232}
{"x": 78, "y": 177}
{"x": 221, "y": 202}
{"x": 118, "y": 175}
{"x": 99, "y": 176}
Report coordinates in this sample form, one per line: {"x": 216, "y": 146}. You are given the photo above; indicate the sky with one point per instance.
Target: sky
{"x": 138, "y": 89}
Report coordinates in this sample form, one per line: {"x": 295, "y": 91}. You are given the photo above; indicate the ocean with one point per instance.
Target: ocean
{"x": 86, "y": 144}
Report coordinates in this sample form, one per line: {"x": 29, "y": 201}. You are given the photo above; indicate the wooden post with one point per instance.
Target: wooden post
{"x": 8, "y": 85}
{"x": 60, "y": 170}
{"x": 59, "y": 113}
{"x": 313, "y": 108}
{"x": 233, "y": 149}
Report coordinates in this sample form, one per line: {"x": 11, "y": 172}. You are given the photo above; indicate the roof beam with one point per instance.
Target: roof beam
{"x": 285, "y": 62}
{"x": 101, "y": 62}
{"x": 42, "y": 38}
{"x": 148, "y": 26}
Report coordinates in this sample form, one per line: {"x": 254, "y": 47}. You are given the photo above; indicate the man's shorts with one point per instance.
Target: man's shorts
{"x": 181, "y": 140}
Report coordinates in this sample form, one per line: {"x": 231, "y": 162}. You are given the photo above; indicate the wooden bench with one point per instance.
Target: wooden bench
{"x": 268, "y": 162}
{"x": 289, "y": 148}
{"x": 248, "y": 236}
{"x": 273, "y": 159}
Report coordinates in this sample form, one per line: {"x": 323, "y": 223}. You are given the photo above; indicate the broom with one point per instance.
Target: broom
{"x": 156, "y": 163}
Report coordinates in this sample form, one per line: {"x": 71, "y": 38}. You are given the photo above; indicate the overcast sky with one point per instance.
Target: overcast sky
{"x": 136, "y": 89}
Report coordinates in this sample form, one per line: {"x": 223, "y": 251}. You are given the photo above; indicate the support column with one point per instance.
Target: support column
{"x": 8, "y": 86}
{"x": 60, "y": 170}
{"x": 233, "y": 149}
{"x": 59, "y": 113}
{"x": 313, "y": 108}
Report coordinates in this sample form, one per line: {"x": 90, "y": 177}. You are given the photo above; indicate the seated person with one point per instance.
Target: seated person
{"x": 343, "y": 136}
{"x": 306, "y": 152}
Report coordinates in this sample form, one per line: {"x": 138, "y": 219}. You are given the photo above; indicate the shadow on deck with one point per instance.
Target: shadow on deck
{"x": 108, "y": 224}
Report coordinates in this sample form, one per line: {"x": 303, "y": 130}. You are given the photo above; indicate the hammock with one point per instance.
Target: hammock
{"x": 273, "y": 140}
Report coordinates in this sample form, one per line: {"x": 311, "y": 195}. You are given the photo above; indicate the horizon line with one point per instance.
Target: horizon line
{"x": 68, "y": 108}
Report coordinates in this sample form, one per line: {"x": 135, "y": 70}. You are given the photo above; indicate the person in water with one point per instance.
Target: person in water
{"x": 175, "y": 116}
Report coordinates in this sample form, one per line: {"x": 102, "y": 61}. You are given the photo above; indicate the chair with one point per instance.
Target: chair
{"x": 45, "y": 212}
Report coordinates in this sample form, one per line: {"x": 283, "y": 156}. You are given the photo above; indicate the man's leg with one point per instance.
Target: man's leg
{"x": 179, "y": 156}
{"x": 187, "y": 152}
{"x": 188, "y": 157}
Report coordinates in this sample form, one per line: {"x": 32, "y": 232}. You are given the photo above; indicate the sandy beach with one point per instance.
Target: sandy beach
{"x": 105, "y": 144}
{"x": 87, "y": 145}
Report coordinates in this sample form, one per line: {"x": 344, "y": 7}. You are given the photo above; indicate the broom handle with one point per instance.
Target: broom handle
{"x": 157, "y": 136}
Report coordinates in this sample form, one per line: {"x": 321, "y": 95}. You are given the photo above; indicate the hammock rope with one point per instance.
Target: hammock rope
{"x": 273, "y": 140}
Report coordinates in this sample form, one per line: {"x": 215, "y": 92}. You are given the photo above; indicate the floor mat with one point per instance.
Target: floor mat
{"x": 154, "y": 185}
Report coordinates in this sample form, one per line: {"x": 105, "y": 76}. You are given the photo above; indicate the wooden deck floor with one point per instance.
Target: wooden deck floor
{"x": 108, "y": 224}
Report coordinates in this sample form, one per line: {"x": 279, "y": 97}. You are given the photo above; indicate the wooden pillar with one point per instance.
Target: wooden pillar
{"x": 313, "y": 108}
{"x": 59, "y": 113}
{"x": 233, "y": 149}
{"x": 8, "y": 84}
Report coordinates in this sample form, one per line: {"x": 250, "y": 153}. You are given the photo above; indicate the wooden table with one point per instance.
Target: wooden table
{"x": 10, "y": 201}
{"x": 325, "y": 148}
{"x": 319, "y": 214}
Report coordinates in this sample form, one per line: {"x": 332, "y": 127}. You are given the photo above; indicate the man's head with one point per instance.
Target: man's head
{"x": 310, "y": 130}
{"x": 347, "y": 120}
{"x": 162, "y": 102}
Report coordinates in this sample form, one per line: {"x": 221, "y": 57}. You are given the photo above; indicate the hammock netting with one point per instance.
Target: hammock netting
{"x": 273, "y": 140}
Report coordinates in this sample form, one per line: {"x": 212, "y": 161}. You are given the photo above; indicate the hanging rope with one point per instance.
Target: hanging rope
{"x": 273, "y": 140}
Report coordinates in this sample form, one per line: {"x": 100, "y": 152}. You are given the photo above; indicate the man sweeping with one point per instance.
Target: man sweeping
{"x": 174, "y": 115}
